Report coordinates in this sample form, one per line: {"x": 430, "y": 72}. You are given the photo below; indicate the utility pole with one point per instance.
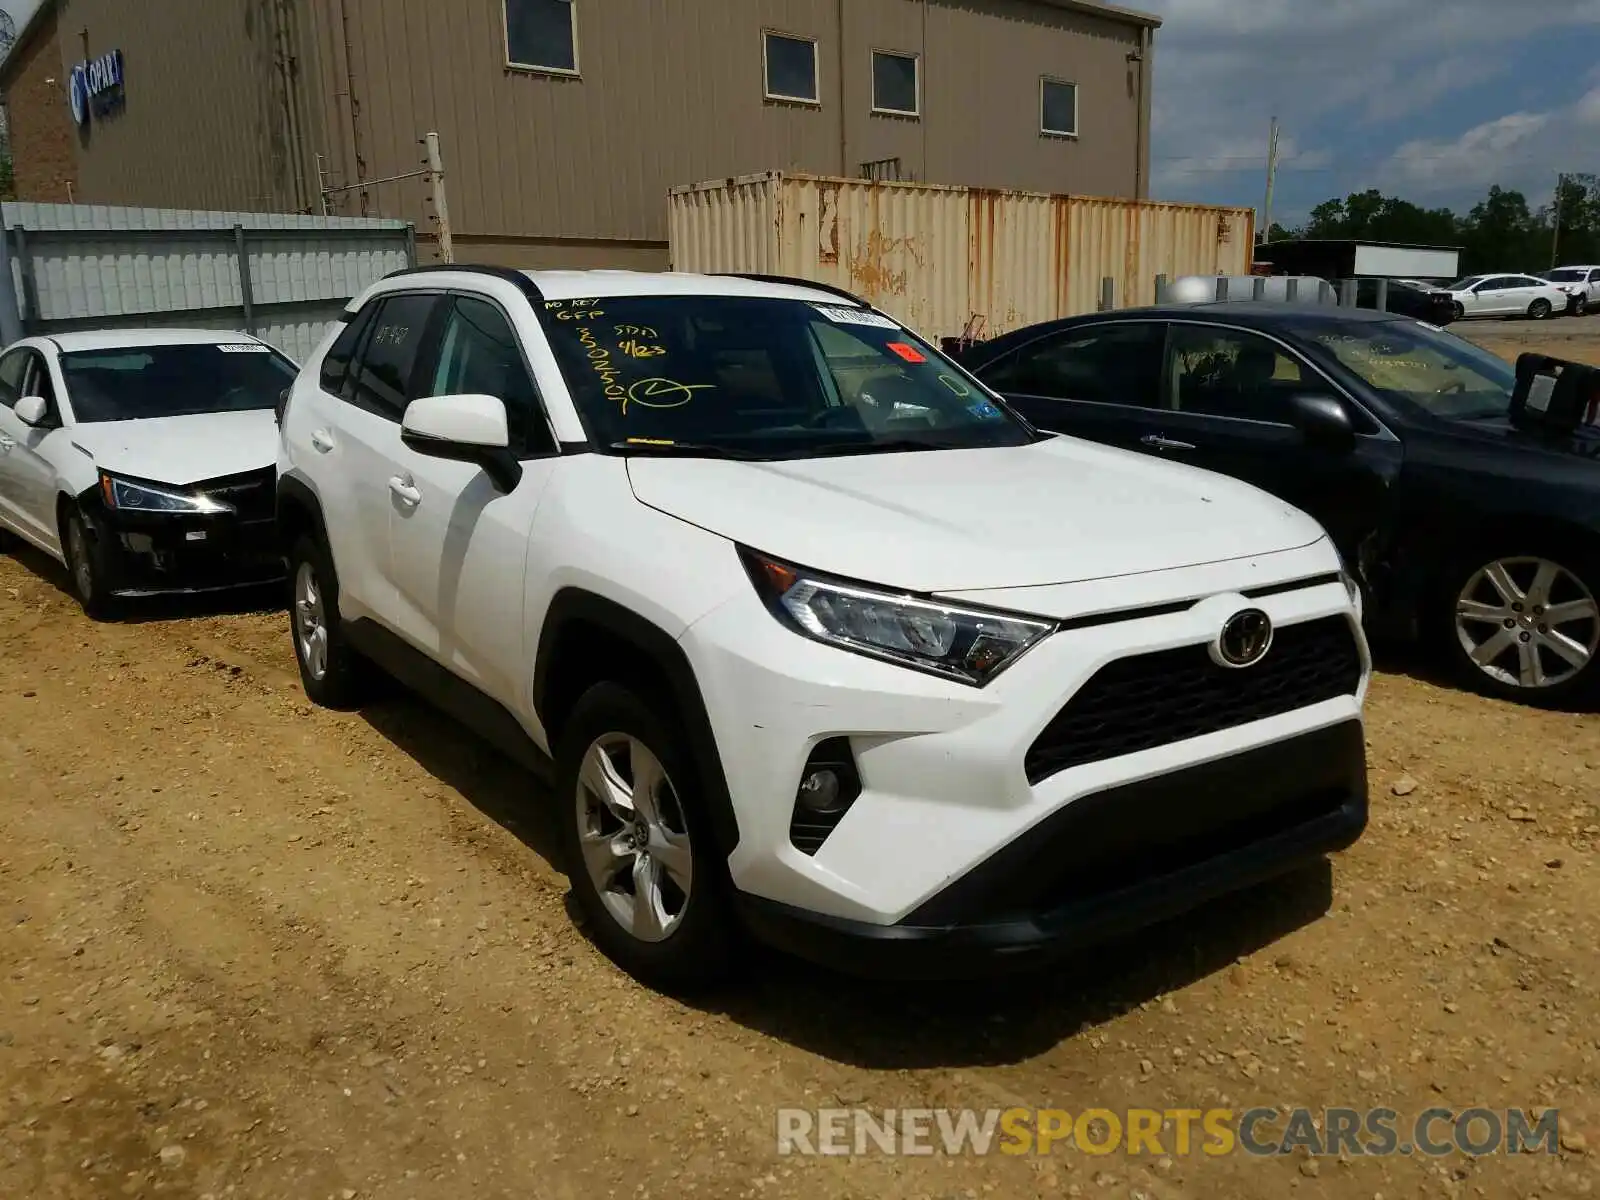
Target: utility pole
{"x": 1272, "y": 179}
{"x": 1555, "y": 237}
{"x": 441, "y": 210}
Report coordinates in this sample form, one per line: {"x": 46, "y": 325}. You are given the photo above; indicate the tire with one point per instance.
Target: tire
{"x": 332, "y": 673}
{"x": 1540, "y": 310}
{"x": 1458, "y": 311}
{"x": 90, "y": 572}
{"x": 683, "y": 939}
{"x": 1511, "y": 652}
{"x": 1580, "y": 306}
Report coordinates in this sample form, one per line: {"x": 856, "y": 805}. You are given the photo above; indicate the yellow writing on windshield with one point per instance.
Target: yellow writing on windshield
{"x": 600, "y": 360}
{"x": 643, "y": 331}
{"x": 636, "y": 349}
{"x": 663, "y": 393}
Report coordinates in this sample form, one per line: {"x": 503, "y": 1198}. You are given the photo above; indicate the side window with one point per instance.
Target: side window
{"x": 336, "y": 363}
{"x": 479, "y": 354}
{"x": 1594, "y": 277}
{"x": 13, "y": 372}
{"x": 1496, "y": 283}
{"x": 381, "y": 380}
{"x": 1105, "y": 364}
{"x": 1231, "y": 373}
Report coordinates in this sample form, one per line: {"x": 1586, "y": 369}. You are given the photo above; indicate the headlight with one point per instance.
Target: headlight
{"x": 127, "y": 496}
{"x": 966, "y": 644}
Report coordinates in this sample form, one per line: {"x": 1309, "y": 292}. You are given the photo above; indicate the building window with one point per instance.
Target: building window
{"x": 542, "y": 35}
{"x": 1058, "y": 108}
{"x": 791, "y": 68}
{"x": 896, "y": 83}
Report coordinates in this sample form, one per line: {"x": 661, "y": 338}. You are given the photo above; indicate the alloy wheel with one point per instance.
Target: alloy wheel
{"x": 1528, "y": 622}
{"x": 633, "y": 837}
{"x": 310, "y": 622}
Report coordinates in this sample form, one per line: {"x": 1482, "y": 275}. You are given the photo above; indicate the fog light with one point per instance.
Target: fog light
{"x": 829, "y": 785}
{"x": 820, "y": 791}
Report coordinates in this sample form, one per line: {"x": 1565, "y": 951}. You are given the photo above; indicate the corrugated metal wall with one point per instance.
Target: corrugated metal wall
{"x": 91, "y": 266}
{"x": 937, "y": 256}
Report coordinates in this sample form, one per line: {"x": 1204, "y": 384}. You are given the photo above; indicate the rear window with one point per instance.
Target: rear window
{"x": 141, "y": 382}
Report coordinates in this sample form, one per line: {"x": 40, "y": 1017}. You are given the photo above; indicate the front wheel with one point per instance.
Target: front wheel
{"x": 1539, "y": 310}
{"x": 640, "y": 859}
{"x": 88, "y": 565}
{"x": 1458, "y": 311}
{"x": 1527, "y": 627}
{"x": 331, "y": 671}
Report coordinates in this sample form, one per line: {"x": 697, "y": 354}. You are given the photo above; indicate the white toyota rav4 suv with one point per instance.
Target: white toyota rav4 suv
{"x": 825, "y": 643}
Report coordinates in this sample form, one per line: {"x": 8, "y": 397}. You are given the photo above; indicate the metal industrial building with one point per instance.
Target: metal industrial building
{"x": 563, "y": 123}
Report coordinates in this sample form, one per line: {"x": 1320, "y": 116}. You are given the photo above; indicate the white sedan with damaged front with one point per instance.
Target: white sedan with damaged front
{"x": 143, "y": 460}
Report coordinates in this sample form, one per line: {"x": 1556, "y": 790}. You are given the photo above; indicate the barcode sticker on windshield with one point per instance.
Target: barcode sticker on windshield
{"x": 855, "y": 316}
{"x": 243, "y": 348}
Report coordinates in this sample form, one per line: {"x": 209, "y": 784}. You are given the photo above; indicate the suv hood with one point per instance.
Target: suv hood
{"x": 1058, "y": 511}
{"x": 182, "y": 450}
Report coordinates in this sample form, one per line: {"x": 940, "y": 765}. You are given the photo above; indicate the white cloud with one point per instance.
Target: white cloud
{"x": 1341, "y": 74}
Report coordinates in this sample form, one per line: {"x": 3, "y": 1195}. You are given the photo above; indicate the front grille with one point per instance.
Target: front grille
{"x": 1156, "y": 699}
{"x": 253, "y": 495}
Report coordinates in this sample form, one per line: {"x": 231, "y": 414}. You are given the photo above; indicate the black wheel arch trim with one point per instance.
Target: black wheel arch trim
{"x": 294, "y": 490}
{"x": 577, "y": 605}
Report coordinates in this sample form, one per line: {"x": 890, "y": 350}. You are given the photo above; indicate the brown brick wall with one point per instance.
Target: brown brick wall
{"x": 43, "y": 154}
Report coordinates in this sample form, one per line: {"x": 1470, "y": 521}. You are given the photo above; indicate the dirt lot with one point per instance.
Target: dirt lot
{"x": 256, "y": 949}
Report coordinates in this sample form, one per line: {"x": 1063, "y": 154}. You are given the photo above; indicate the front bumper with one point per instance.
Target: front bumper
{"x": 1108, "y": 864}
{"x": 166, "y": 554}
{"x": 944, "y": 768}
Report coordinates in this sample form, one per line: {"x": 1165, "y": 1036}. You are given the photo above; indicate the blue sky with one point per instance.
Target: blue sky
{"x": 1432, "y": 100}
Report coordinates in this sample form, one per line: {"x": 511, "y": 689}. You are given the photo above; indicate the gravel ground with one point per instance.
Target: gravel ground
{"x": 257, "y": 949}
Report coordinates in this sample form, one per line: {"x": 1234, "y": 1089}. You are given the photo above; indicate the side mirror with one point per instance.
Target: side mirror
{"x": 31, "y": 410}
{"x": 1324, "y": 421}
{"x": 467, "y": 428}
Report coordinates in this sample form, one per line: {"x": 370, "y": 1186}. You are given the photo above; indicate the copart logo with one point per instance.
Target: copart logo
{"x": 1245, "y": 639}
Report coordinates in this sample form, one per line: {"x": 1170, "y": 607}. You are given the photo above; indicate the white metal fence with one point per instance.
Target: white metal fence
{"x": 283, "y": 277}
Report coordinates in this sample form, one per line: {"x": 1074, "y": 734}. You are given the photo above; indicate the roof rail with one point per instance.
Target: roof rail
{"x": 510, "y": 275}
{"x": 798, "y": 282}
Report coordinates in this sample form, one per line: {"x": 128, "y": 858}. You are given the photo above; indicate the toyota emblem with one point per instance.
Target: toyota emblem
{"x": 1245, "y": 639}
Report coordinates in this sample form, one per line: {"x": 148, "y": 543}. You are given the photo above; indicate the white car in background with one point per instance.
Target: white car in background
{"x": 1506, "y": 296}
{"x": 144, "y": 460}
{"x": 1582, "y": 284}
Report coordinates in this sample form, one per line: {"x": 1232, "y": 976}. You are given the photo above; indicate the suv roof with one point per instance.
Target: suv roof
{"x": 574, "y": 285}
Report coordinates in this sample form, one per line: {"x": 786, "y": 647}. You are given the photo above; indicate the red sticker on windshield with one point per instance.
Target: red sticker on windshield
{"x": 907, "y": 351}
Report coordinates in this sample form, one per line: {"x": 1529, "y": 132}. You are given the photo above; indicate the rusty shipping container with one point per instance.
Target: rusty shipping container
{"x": 940, "y": 257}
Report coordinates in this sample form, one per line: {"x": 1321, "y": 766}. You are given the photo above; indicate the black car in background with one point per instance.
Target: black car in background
{"x": 1463, "y": 527}
{"x": 1437, "y": 308}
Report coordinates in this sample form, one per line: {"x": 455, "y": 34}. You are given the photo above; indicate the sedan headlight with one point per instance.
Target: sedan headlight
{"x": 970, "y": 645}
{"x": 125, "y": 495}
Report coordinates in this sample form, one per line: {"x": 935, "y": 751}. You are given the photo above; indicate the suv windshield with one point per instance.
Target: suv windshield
{"x": 751, "y": 376}
{"x": 139, "y": 382}
{"x": 1412, "y": 362}
{"x": 1565, "y": 275}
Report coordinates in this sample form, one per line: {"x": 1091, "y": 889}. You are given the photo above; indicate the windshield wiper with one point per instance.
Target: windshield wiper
{"x": 676, "y": 449}
{"x": 882, "y": 446}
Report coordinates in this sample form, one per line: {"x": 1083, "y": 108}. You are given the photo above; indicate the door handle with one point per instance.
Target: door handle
{"x": 406, "y": 493}
{"x": 1157, "y": 442}
{"x": 322, "y": 441}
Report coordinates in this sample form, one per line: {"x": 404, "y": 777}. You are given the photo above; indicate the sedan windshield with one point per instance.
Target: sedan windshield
{"x": 140, "y": 382}
{"x": 1462, "y": 285}
{"x": 1417, "y": 364}
{"x": 764, "y": 378}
